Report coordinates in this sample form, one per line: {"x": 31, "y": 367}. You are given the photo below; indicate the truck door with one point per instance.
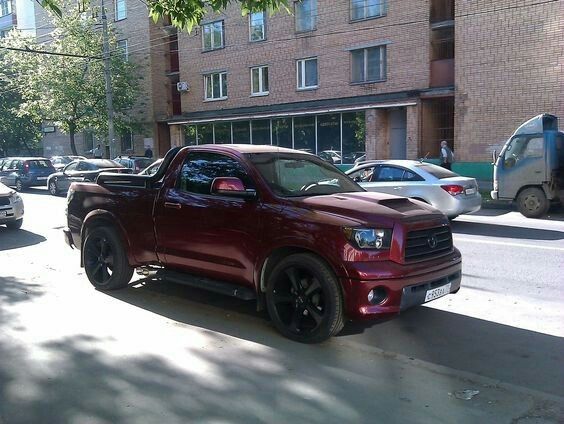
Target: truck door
{"x": 522, "y": 163}
{"x": 208, "y": 234}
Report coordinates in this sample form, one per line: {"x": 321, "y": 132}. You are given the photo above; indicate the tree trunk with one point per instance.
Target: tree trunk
{"x": 29, "y": 152}
{"x": 72, "y": 130}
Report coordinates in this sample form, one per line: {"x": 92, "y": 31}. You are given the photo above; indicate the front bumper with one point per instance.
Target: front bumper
{"x": 14, "y": 211}
{"x": 402, "y": 292}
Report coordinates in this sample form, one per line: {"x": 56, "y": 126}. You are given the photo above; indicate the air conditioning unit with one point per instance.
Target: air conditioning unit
{"x": 182, "y": 86}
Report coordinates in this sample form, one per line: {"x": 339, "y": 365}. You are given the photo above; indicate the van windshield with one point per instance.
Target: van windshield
{"x": 295, "y": 175}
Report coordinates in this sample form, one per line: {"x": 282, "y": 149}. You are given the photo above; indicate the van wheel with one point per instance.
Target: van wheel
{"x": 304, "y": 299}
{"x": 105, "y": 261}
{"x": 533, "y": 203}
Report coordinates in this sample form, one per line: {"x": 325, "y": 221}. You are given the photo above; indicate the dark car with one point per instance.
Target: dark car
{"x": 135, "y": 163}
{"x": 59, "y": 162}
{"x": 277, "y": 226}
{"x": 81, "y": 170}
{"x": 22, "y": 172}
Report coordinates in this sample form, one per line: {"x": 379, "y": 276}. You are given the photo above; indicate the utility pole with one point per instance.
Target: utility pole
{"x": 108, "y": 79}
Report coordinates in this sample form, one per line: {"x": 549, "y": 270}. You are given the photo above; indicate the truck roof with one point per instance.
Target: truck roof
{"x": 248, "y": 148}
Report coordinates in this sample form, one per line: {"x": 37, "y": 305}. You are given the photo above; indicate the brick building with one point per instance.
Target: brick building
{"x": 147, "y": 45}
{"x": 17, "y": 14}
{"x": 392, "y": 78}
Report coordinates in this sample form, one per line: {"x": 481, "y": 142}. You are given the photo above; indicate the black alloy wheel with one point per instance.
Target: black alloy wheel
{"x": 105, "y": 261}
{"x": 304, "y": 299}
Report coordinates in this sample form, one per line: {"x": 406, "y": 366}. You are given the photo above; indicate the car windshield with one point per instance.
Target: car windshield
{"x": 143, "y": 163}
{"x": 436, "y": 171}
{"x": 295, "y": 175}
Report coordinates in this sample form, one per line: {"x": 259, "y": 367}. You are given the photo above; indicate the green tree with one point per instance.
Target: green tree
{"x": 184, "y": 14}
{"x": 68, "y": 87}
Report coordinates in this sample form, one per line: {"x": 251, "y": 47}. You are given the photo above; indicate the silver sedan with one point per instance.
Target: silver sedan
{"x": 450, "y": 193}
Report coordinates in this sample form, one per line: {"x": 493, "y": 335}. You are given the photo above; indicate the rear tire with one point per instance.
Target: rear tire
{"x": 304, "y": 299}
{"x": 15, "y": 225}
{"x": 532, "y": 202}
{"x": 105, "y": 261}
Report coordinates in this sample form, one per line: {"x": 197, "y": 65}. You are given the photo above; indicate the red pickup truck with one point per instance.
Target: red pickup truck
{"x": 278, "y": 226}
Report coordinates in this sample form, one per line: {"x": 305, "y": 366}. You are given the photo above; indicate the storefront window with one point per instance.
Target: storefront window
{"x": 261, "y": 131}
{"x": 241, "y": 132}
{"x": 282, "y": 132}
{"x": 190, "y": 135}
{"x": 329, "y": 137}
{"x": 304, "y": 133}
{"x": 205, "y": 134}
{"x": 353, "y": 136}
{"x": 223, "y": 133}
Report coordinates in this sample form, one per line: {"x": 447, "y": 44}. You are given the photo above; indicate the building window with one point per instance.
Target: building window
{"x": 306, "y": 15}
{"x": 366, "y": 9}
{"x": 369, "y": 65}
{"x": 121, "y": 10}
{"x": 259, "y": 81}
{"x": 5, "y": 7}
{"x": 257, "y": 28}
{"x": 127, "y": 142}
{"x": 122, "y": 49}
{"x": 307, "y": 73}
{"x": 213, "y": 36}
{"x": 215, "y": 86}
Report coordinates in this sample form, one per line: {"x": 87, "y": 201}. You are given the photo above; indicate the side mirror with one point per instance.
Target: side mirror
{"x": 232, "y": 187}
{"x": 357, "y": 179}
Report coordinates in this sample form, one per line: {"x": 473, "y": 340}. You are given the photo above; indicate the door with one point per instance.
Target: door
{"x": 64, "y": 181}
{"x": 386, "y": 179}
{"x": 11, "y": 172}
{"x": 522, "y": 163}
{"x": 398, "y": 134}
{"x": 210, "y": 235}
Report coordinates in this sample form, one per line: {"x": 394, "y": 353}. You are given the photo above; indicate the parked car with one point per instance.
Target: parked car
{"x": 152, "y": 168}
{"x": 445, "y": 190}
{"x": 59, "y": 162}
{"x": 274, "y": 225}
{"x": 331, "y": 156}
{"x": 11, "y": 208}
{"x": 352, "y": 157}
{"x": 81, "y": 170}
{"x": 23, "y": 172}
{"x": 135, "y": 163}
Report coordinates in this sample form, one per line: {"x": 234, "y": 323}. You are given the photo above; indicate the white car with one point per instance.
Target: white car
{"x": 11, "y": 208}
{"x": 447, "y": 191}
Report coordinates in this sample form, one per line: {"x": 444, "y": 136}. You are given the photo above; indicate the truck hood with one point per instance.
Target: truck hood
{"x": 371, "y": 208}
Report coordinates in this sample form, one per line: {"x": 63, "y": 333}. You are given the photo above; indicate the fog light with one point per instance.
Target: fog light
{"x": 377, "y": 296}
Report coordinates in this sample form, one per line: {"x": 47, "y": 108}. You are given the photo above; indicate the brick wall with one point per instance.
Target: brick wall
{"x": 509, "y": 67}
{"x": 407, "y": 55}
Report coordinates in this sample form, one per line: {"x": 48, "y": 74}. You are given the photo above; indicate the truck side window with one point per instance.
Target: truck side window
{"x": 534, "y": 148}
{"x": 200, "y": 169}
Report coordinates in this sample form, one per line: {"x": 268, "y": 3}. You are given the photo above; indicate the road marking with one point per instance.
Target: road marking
{"x": 503, "y": 243}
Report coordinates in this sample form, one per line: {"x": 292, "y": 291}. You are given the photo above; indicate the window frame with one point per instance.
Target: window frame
{"x": 116, "y": 10}
{"x": 301, "y": 64}
{"x": 313, "y": 17}
{"x": 383, "y": 64}
{"x": 251, "y": 27}
{"x": 124, "y": 49}
{"x": 212, "y": 48}
{"x": 222, "y": 77}
{"x": 261, "y": 91}
{"x": 383, "y": 11}
{"x": 7, "y": 6}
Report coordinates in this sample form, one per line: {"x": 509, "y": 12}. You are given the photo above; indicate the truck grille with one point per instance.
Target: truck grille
{"x": 428, "y": 244}
{"x": 4, "y": 201}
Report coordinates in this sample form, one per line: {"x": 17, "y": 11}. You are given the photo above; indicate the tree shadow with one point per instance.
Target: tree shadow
{"x": 504, "y": 231}
{"x": 14, "y": 239}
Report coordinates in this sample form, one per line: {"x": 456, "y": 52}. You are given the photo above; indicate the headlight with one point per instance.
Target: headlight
{"x": 369, "y": 238}
{"x": 15, "y": 198}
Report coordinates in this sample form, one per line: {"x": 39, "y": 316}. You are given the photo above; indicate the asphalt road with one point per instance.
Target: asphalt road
{"x": 165, "y": 353}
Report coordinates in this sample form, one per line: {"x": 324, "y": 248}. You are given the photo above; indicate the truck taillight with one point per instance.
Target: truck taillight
{"x": 453, "y": 189}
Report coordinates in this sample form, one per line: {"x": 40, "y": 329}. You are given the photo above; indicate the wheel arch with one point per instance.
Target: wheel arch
{"x": 525, "y": 187}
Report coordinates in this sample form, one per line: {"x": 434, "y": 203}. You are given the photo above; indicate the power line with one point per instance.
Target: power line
{"x": 27, "y": 50}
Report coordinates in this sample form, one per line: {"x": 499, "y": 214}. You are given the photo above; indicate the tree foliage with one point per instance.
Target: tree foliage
{"x": 185, "y": 14}
{"x": 70, "y": 91}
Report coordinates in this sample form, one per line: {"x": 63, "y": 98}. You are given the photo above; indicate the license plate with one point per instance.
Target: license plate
{"x": 438, "y": 292}
{"x": 470, "y": 191}
{"x": 3, "y": 214}
{"x": 41, "y": 178}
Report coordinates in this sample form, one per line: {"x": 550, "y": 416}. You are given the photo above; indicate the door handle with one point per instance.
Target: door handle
{"x": 172, "y": 205}
{"x": 397, "y": 188}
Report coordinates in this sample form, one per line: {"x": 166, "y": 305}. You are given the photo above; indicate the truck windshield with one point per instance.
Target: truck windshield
{"x": 295, "y": 175}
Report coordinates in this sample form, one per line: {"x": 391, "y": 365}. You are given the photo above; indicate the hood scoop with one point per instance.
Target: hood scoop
{"x": 402, "y": 205}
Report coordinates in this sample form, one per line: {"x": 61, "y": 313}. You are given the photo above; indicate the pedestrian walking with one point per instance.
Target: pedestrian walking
{"x": 447, "y": 156}
{"x": 97, "y": 152}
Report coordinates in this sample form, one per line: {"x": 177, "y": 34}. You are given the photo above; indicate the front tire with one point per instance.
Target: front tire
{"x": 19, "y": 185}
{"x": 105, "y": 261}
{"x": 532, "y": 202}
{"x": 53, "y": 189}
{"x": 304, "y": 299}
{"x": 15, "y": 225}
